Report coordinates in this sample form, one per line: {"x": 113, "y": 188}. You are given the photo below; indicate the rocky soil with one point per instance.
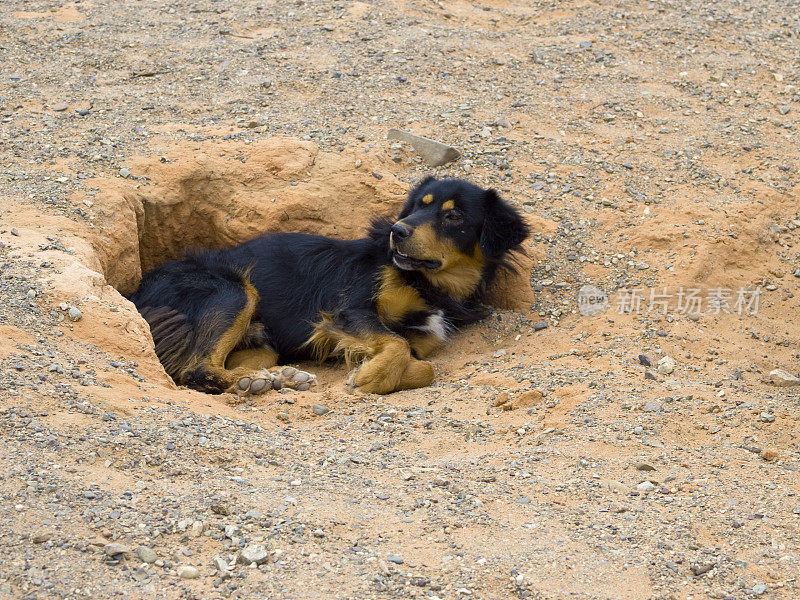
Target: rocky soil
{"x": 648, "y": 450}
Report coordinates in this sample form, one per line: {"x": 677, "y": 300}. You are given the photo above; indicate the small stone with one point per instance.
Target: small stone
{"x": 585, "y": 44}
{"x": 440, "y": 481}
{"x": 218, "y": 508}
{"x": 124, "y": 172}
{"x": 666, "y": 365}
{"x": 701, "y": 568}
{"x": 766, "y": 417}
{"x": 643, "y": 360}
{"x": 759, "y": 589}
{"x": 646, "y": 486}
{"x": 146, "y": 555}
{"x": 14, "y": 231}
{"x": 254, "y": 553}
{"x": 395, "y": 559}
{"x": 782, "y": 378}
{"x": 221, "y": 565}
{"x": 769, "y": 454}
{"x": 523, "y": 500}
{"x": 796, "y": 509}
{"x": 187, "y": 572}
{"x": 640, "y": 466}
{"x": 31, "y": 295}
{"x": 320, "y": 410}
{"x": 74, "y": 314}
{"x": 653, "y": 406}
{"x": 41, "y": 538}
{"x": 432, "y": 152}
{"x": 499, "y": 353}
{"x": 783, "y": 109}
{"x": 82, "y": 112}
{"x": 539, "y": 325}
{"x": 63, "y": 107}
{"x": 327, "y": 27}
{"x": 650, "y": 376}
{"x": 115, "y": 548}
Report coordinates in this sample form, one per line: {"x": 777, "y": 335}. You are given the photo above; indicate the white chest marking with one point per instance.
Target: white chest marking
{"x": 436, "y": 325}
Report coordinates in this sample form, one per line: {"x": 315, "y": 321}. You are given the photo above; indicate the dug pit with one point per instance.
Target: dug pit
{"x": 211, "y": 196}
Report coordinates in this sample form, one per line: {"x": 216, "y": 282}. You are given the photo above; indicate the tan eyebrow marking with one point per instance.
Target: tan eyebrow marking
{"x": 427, "y": 198}
{"x": 449, "y": 205}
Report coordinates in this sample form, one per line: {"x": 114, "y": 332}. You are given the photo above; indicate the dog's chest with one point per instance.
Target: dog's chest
{"x": 399, "y": 305}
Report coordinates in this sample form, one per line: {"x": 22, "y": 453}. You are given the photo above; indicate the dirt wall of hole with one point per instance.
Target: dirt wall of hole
{"x": 221, "y": 194}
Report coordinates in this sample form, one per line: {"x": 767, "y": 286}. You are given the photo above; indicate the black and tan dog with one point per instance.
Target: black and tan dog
{"x": 222, "y": 320}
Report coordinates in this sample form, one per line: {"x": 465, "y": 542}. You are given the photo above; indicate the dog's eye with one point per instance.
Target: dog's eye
{"x": 452, "y": 216}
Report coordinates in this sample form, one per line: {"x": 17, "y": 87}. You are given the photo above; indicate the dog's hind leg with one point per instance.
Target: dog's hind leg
{"x": 222, "y": 367}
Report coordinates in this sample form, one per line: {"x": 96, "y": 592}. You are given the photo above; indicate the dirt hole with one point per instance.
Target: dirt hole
{"x": 221, "y": 195}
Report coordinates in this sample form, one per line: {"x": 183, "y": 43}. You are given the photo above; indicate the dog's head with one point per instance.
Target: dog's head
{"x": 452, "y": 226}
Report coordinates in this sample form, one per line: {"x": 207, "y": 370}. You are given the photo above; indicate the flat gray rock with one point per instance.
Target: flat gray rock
{"x": 432, "y": 152}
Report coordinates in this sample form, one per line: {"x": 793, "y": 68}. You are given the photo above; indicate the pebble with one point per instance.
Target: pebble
{"x": 701, "y": 568}
{"x": 186, "y": 572}
{"x": 41, "y": 538}
{"x": 320, "y": 410}
{"x": 653, "y": 406}
{"x": 395, "y": 559}
{"x": 60, "y": 108}
{"x": 539, "y": 325}
{"x": 115, "y": 548}
{"x": 646, "y": 486}
{"x": 766, "y": 417}
{"x": 82, "y": 112}
{"x": 640, "y": 466}
{"x": 666, "y": 365}
{"x": 14, "y": 231}
{"x": 783, "y": 109}
{"x": 254, "y": 553}
{"x": 644, "y": 360}
{"x": 769, "y": 454}
{"x": 123, "y": 172}
{"x": 432, "y": 152}
{"x": 759, "y": 588}
{"x": 783, "y": 378}
{"x": 74, "y": 314}
{"x": 146, "y": 555}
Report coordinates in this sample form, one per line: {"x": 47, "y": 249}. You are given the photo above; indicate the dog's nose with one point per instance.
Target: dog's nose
{"x": 400, "y": 232}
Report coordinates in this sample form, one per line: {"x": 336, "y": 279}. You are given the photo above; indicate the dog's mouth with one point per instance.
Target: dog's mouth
{"x": 408, "y": 263}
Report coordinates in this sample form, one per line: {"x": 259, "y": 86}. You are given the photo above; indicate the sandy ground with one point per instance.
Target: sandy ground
{"x": 643, "y": 451}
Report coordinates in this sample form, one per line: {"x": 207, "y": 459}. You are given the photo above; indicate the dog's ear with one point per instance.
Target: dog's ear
{"x": 409, "y": 205}
{"x": 503, "y": 227}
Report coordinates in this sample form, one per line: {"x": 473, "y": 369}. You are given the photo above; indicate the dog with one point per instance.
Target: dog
{"x": 225, "y": 320}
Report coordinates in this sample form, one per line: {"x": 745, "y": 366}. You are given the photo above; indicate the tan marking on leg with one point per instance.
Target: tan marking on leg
{"x": 395, "y": 298}
{"x": 418, "y": 373}
{"x": 253, "y": 358}
{"x": 424, "y": 345}
{"x": 214, "y": 363}
{"x": 381, "y": 374}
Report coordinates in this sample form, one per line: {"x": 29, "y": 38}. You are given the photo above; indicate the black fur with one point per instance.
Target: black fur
{"x": 189, "y": 303}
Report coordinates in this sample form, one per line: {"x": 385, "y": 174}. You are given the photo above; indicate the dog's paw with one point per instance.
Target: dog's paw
{"x": 275, "y": 379}
{"x": 292, "y": 378}
{"x": 257, "y": 383}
